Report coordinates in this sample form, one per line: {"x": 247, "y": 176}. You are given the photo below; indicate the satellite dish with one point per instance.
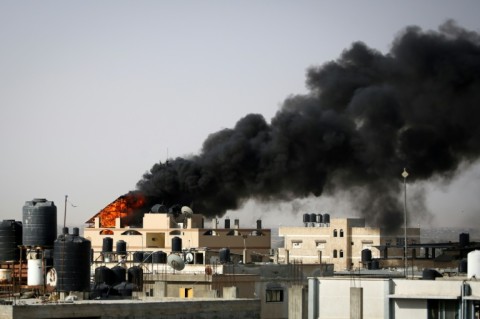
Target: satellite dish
{"x": 187, "y": 210}
{"x": 176, "y": 262}
{"x": 189, "y": 258}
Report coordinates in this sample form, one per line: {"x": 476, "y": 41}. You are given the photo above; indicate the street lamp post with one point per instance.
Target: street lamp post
{"x": 405, "y": 175}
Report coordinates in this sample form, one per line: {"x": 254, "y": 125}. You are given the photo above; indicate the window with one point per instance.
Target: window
{"x": 296, "y": 244}
{"x": 341, "y": 253}
{"x": 341, "y": 232}
{"x": 445, "y": 309}
{"x": 335, "y": 233}
{"x": 334, "y": 253}
{"x": 274, "y": 295}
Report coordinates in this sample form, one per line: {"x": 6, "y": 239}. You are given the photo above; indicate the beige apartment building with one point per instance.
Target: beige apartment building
{"x": 341, "y": 242}
{"x": 162, "y": 231}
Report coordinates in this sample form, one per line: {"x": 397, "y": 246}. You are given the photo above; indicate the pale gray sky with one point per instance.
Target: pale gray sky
{"x": 93, "y": 93}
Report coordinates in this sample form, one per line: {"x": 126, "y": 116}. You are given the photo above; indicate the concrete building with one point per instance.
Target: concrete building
{"x": 341, "y": 242}
{"x": 395, "y": 298}
{"x": 160, "y": 229}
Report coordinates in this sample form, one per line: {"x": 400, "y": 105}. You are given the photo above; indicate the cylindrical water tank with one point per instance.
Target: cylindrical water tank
{"x": 138, "y": 256}
{"x": 473, "y": 260}
{"x": 159, "y": 208}
{"x": 10, "y": 239}
{"x": 104, "y": 275}
{"x": 464, "y": 239}
{"x": 313, "y": 218}
{"x": 35, "y": 272}
{"x": 463, "y": 266}
{"x": 326, "y": 218}
{"x": 430, "y": 274}
{"x": 119, "y": 274}
{"x": 224, "y": 255}
{"x": 107, "y": 245}
{"x": 159, "y": 257}
{"x": 39, "y": 223}
{"x": 176, "y": 244}
{"x": 366, "y": 255}
{"x": 147, "y": 257}
{"x": 375, "y": 264}
{"x": 259, "y": 224}
{"x": 121, "y": 247}
{"x": 71, "y": 260}
{"x": 135, "y": 276}
{"x": 306, "y": 218}
{"x": 319, "y": 218}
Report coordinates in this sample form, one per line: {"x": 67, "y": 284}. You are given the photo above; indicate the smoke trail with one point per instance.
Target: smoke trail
{"x": 367, "y": 116}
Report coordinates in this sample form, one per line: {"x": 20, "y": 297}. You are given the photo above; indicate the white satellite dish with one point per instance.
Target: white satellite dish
{"x": 189, "y": 258}
{"x": 176, "y": 262}
{"x": 187, "y": 210}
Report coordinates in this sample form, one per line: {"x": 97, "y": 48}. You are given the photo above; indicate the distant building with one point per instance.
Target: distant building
{"x": 179, "y": 232}
{"x": 342, "y": 241}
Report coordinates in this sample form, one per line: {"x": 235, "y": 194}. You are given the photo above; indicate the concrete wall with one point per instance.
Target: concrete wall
{"x": 168, "y": 309}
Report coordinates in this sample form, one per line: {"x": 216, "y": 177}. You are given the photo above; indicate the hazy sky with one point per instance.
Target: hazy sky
{"x": 93, "y": 93}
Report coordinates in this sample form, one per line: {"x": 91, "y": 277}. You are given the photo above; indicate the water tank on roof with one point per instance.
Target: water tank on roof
{"x": 176, "y": 244}
{"x": 39, "y": 223}
{"x": 463, "y": 266}
{"x": 464, "y": 239}
{"x": 366, "y": 255}
{"x": 119, "y": 274}
{"x": 313, "y": 218}
{"x": 135, "y": 276}
{"x": 121, "y": 247}
{"x": 430, "y": 274}
{"x": 473, "y": 260}
{"x": 319, "y": 218}
{"x": 159, "y": 257}
{"x": 306, "y": 218}
{"x": 105, "y": 275}
{"x": 107, "y": 245}
{"x": 10, "y": 239}
{"x": 138, "y": 256}
{"x": 224, "y": 255}
{"x": 326, "y": 218}
{"x": 71, "y": 260}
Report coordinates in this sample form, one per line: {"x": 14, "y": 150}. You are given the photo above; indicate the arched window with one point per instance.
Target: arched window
{"x": 334, "y": 253}
{"x": 341, "y": 232}
{"x": 341, "y": 253}
{"x": 335, "y": 234}
{"x": 106, "y": 232}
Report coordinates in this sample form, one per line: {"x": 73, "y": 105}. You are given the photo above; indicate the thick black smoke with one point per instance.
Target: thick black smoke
{"x": 367, "y": 116}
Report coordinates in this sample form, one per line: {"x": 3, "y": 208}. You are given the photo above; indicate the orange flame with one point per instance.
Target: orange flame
{"x": 121, "y": 207}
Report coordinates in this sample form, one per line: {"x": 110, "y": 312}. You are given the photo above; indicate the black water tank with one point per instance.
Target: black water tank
{"x": 39, "y": 223}
{"x": 306, "y": 218}
{"x": 119, "y": 274}
{"x": 463, "y": 266}
{"x": 259, "y": 224}
{"x": 121, "y": 247}
{"x": 105, "y": 275}
{"x": 159, "y": 209}
{"x": 10, "y": 239}
{"x": 71, "y": 260}
{"x": 135, "y": 276}
{"x": 313, "y": 218}
{"x": 107, "y": 245}
{"x": 138, "y": 256}
{"x": 464, "y": 239}
{"x": 366, "y": 255}
{"x": 319, "y": 218}
{"x": 224, "y": 255}
{"x": 159, "y": 257}
{"x": 326, "y": 218}
{"x": 430, "y": 274}
{"x": 176, "y": 244}
{"x": 147, "y": 257}
{"x": 375, "y": 264}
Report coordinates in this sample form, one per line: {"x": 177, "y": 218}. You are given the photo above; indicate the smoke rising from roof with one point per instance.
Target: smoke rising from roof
{"x": 367, "y": 116}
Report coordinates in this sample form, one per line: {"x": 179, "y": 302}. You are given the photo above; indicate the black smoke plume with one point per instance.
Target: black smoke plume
{"x": 367, "y": 116}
